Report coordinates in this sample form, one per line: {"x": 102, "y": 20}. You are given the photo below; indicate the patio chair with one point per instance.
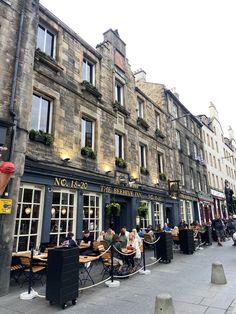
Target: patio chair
{"x": 16, "y": 268}
{"x": 31, "y": 271}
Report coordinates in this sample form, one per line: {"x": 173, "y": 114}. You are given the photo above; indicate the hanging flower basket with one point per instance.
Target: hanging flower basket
{"x": 113, "y": 208}
{"x": 142, "y": 210}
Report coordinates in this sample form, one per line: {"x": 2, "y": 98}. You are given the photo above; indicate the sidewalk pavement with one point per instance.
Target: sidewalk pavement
{"x": 186, "y": 279}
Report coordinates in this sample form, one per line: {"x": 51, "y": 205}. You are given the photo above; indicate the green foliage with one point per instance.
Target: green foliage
{"x": 40, "y": 136}
{"x": 121, "y": 163}
{"x": 142, "y": 210}
{"x": 162, "y": 176}
{"x": 113, "y": 208}
{"x": 144, "y": 171}
{"x": 88, "y": 152}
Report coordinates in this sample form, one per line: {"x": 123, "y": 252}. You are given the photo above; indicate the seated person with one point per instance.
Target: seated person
{"x": 137, "y": 237}
{"x": 86, "y": 243}
{"x": 101, "y": 236}
{"x": 139, "y": 231}
{"x": 132, "y": 244}
{"x": 109, "y": 235}
{"x": 175, "y": 231}
{"x": 123, "y": 238}
{"x": 117, "y": 257}
{"x": 68, "y": 241}
{"x": 166, "y": 228}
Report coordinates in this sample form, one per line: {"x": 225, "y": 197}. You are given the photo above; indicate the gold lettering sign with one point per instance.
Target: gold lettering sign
{"x": 5, "y": 205}
{"x": 72, "y": 184}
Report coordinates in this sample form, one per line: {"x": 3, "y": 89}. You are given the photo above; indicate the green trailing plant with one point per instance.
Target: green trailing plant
{"x": 114, "y": 208}
{"x": 142, "y": 210}
{"x": 118, "y": 107}
{"x": 46, "y": 56}
{"x": 142, "y": 123}
{"x": 88, "y": 152}
{"x": 40, "y": 136}
{"x": 162, "y": 176}
{"x": 144, "y": 171}
{"x": 121, "y": 163}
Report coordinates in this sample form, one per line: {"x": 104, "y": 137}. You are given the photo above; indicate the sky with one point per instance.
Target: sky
{"x": 186, "y": 44}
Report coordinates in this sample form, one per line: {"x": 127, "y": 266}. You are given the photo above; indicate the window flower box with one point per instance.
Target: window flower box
{"x": 144, "y": 171}
{"x": 47, "y": 60}
{"x": 141, "y": 122}
{"x": 159, "y": 133}
{"x": 118, "y": 107}
{"x": 88, "y": 152}
{"x": 91, "y": 89}
{"x": 121, "y": 163}
{"x": 162, "y": 176}
{"x": 41, "y": 137}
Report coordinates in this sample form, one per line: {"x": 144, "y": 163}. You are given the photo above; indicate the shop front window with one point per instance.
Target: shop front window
{"x": 158, "y": 216}
{"x": 63, "y": 216}
{"x": 28, "y": 218}
{"x": 182, "y": 210}
{"x": 144, "y": 222}
{"x": 92, "y": 214}
{"x": 189, "y": 212}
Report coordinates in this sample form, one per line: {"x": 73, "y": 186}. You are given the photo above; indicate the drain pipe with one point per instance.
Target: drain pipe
{"x": 14, "y": 81}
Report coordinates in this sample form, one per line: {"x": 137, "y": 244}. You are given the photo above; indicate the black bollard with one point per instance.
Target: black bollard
{"x": 30, "y": 273}
{"x": 112, "y": 268}
{"x": 144, "y": 263}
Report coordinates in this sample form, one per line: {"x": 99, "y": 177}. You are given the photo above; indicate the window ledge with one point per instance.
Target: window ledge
{"x": 91, "y": 89}
{"x": 47, "y": 60}
{"x": 118, "y": 107}
{"x": 141, "y": 122}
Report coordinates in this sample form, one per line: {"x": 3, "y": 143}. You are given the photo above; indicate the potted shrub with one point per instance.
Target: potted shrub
{"x": 142, "y": 210}
{"x": 144, "y": 171}
{"x": 121, "y": 163}
{"x": 162, "y": 176}
{"x": 113, "y": 208}
{"x": 92, "y": 89}
{"x": 88, "y": 152}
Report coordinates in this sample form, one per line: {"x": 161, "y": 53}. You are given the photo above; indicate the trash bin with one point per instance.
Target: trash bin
{"x": 62, "y": 276}
{"x": 186, "y": 239}
{"x": 164, "y": 247}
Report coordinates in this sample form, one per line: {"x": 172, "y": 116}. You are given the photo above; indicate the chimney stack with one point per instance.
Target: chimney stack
{"x": 140, "y": 75}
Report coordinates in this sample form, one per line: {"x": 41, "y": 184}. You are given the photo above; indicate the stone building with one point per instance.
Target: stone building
{"x": 219, "y": 152}
{"x": 17, "y": 32}
{"x": 95, "y": 140}
{"x": 187, "y": 157}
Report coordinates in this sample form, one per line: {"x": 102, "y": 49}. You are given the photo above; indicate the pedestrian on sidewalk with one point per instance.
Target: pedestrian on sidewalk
{"x": 218, "y": 226}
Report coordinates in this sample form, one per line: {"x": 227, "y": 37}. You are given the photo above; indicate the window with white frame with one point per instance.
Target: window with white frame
{"x": 192, "y": 126}
{"x": 205, "y": 183}
{"x": 140, "y": 107}
{"x": 178, "y": 142}
{"x": 144, "y": 222}
{"x": 88, "y": 71}
{"x": 158, "y": 121}
{"x": 92, "y": 219}
{"x": 185, "y": 121}
{"x": 160, "y": 162}
{"x": 174, "y": 110}
{"x": 199, "y": 181}
{"x": 63, "y": 215}
{"x": 195, "y": 151}
{"x": 182, "y": 210}
{"x": 28, "y": 218}
{"x": 87, "y": 133}
{"x": 119, "y": 145}
{"x": 192, "y": 178}
{"x": 119, "y": 93}
{"x": 158, "y": 215}
{"x": 46, "y": 41}
{"x": 189, "y": 212}
{"x": 41, "y": 113}
{"x": 142, "y": 156}
{"x": 188, "y": 146}
{"x": 182, "y": 178}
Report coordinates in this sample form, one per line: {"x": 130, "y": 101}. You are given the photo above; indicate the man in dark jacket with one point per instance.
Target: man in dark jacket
{"x": 218, "y": 226}
{"x": 69, "y": 242}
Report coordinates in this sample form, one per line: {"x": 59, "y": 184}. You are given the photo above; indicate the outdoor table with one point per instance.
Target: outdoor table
{"x": 28, "y": 254}
{"x": 86, "y": 263}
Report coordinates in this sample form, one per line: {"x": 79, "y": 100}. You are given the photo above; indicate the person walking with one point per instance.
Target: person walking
{"x": 218, "y": 226}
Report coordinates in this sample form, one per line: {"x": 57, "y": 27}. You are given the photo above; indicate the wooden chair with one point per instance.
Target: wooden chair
{"x": 16, "y": 268}
{"x": 31, "y": 271}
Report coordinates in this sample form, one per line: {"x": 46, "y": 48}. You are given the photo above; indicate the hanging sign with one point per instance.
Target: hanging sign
{"x": 5, "y": 205}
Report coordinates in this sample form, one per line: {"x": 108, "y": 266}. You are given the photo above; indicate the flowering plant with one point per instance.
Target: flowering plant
{"x": 113, "y": 207}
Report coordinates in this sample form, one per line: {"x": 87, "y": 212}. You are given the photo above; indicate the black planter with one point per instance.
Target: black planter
{"x": 186, "y": 239}
{"x": 207, "y": 236}
{"x": 62, "y": 275}
{"x": 164, "y": 247}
